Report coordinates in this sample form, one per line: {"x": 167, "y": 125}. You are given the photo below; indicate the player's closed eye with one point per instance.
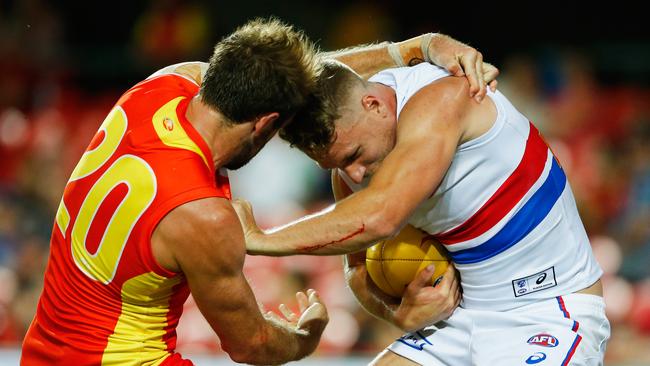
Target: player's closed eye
{"x": 352, "y": 157}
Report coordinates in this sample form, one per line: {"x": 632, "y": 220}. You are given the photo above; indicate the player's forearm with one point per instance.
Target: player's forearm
{"x": 350, "y": 226}
{"x": 275, "y": 344}
{"x": 368, "y": 296}
{"x": 368, "y": 60}
{"x": 287, "y": 344}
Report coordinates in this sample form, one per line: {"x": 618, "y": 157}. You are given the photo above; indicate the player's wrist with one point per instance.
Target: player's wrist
{"x": 268, "y": 243}
{"x": 395, "y": 54}
{"x": 399, "y": 319}
{"x": 399, "y": 315}
{"x": 306, "y": 343}
{"x": 425, "y": 46}
{"x": 406, "y": 53}
{"x": 256, "y": 243}
{"x": 412, "y": 51}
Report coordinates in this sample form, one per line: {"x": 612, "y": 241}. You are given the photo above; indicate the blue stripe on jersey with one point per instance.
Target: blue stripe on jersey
{"x": 522, "y": 223}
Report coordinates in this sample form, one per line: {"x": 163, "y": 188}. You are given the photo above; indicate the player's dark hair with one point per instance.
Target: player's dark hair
{"x": 313, "y": 128}
{"x": 264, "y": 66}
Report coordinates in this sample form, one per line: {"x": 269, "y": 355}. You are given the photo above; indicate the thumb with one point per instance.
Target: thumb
{"x": 423, "y": 278}
{"x": 314, "y": 316}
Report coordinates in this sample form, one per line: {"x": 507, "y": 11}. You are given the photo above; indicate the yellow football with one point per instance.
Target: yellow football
{"x": 392, "y": 264}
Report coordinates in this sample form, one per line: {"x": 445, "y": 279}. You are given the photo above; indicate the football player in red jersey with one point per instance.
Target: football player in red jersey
{"x": 146, "y": 216}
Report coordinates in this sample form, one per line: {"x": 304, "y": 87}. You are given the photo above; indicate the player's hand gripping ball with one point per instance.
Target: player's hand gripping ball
{"x": 392, "y": 264}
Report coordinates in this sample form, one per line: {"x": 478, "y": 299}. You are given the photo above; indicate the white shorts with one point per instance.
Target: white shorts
{"x": 567, "y": 330}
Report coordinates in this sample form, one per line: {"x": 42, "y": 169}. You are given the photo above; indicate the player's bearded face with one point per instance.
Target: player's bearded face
{"x": 248, "y": 148}
{"x": 244, "y": 154}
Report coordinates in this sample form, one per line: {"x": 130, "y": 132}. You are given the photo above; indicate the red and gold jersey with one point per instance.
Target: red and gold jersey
{"x": 105, "y": 300}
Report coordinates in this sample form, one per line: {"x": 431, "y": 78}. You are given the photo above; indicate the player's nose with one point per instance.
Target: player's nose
{"x": 356, "y": 172}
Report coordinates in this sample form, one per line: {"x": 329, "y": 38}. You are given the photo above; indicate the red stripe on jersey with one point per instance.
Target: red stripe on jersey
{"x": 572, "y": 351}
{"x": 103, "y": 216}
{"x": 563, "y": 308}
{"x": 97, "y": 140}
{"x": 507, "y": 196}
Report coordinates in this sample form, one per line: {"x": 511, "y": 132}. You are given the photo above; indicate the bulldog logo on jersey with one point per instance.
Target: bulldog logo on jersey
{"x": 544, "y": 340}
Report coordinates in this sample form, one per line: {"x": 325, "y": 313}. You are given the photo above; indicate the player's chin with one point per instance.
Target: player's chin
{"x": 372, "y": 169}
{"x": 243, "y": 157}
{"x": 370, "y": 172}
{"x": 237, "y": 163}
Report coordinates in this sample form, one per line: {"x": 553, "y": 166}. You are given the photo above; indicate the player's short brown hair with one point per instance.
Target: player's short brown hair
{"x": 264, "y": 66}
{"x": 313, "y": 128}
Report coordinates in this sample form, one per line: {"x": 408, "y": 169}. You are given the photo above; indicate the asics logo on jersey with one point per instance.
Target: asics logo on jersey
{"x": 536, "y": 358}
{"x": 535, "y": 282}
{"x": 544, "y": 340}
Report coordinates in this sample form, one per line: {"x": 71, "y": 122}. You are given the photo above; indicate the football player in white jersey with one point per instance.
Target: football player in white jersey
{"x": 409, "y": 146}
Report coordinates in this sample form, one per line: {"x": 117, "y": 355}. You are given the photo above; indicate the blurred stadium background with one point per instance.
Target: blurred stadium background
{"x": 582, "y": 75}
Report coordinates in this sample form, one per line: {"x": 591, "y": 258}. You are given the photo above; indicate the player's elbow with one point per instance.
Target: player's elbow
{"x": 237, "y": 352}
{"x": 383, "y": 224}
{"x": 260, "y": 349}
{"x": 383, "y": 214}
{"x": 243, "y": 350}
{"x": 238, "y": 355}
{"x": 246, "y": 354}
{"x": 356, "y": 279}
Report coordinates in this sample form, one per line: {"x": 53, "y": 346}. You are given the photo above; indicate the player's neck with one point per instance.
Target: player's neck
{"x": 212, "y": 127}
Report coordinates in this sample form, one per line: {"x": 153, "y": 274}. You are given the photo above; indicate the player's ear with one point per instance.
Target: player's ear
{"x": 370, "y": 102}
{"x": 264, "y": 123}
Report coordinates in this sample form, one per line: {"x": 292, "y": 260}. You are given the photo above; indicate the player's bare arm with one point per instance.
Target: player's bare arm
{"x": 432, "y": 124}
{"x": 439, "y": 49}
{"x": 421, "y": 304}
{"x": 369, "y": 296}
{"x": 203, "y": 240}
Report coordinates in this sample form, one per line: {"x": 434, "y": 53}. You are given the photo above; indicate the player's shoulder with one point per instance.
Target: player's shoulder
{"x": 205, "y": 215}
{"x": 404, "y": 77}
{"x": 193, "y": 71}
{"x": 148, "y": 94}
{"x": 162, "y": 86}
{"x": 448, "y": 95}
{"x": 207, "y": 227}
{"x": 169, "y": 82}
{"x": 438, "y": 110}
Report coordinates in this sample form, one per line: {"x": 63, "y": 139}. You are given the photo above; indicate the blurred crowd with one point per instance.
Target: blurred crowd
{"x": 600, "y": 132}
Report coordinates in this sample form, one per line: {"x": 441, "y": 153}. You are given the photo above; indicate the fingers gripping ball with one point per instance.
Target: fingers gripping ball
{"x": 392, "y": 264}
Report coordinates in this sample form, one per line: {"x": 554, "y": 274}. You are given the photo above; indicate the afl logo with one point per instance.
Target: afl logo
{"x": 541, "y": 278}
{"x": 544, "y": 340}
{"x": 168, "y": 123}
